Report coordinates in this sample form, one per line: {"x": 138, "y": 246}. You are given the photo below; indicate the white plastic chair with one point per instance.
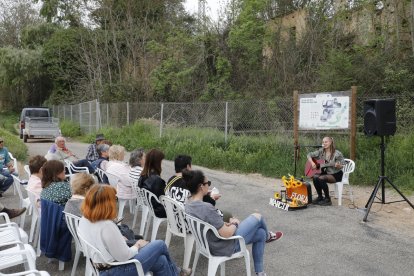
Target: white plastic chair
{"x": 72, "y": 169}
{"x": 348, "y": 168}
{"x": 178, "y": 226}
{"x": 18, "y": 254}
{"x": 100, "y": 173}
{"x": 24, "y": 202}
{"x": 113, "y": 181}
{"x": 199, "y": 229}
{"x": 72, "y": 222}
{"x": 10, "y": 231}
{"x": 89, "y": 250}
{"x": 140, "y": 204}
{"x": 148, "y": 196}
{"x": 27, "y": 170}
{"x": 16, "y": 169}
{"x": 34, "y": 235}
{"x": 29, "y": 273}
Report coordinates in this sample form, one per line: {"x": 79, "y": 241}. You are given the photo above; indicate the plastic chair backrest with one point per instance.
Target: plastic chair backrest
{"x": 113, "y": 179}
{"x": 175, "y": 216}
{"x": 89, "y": 250}
{"x": 32, "y": 199}
{"x": 348, "y": 168}
{"x": 72, "y": 222}
{"x": 100, "y": 173}
{"x": 199, "y": 229}
{"x": 73, "y": 169}
{"x": 16, "y": 183}
{"x": 139, "y": 195}
{"x": 16, "y": 168}
{"x": 148, "y": 196}
{"x": 27, "y": 170}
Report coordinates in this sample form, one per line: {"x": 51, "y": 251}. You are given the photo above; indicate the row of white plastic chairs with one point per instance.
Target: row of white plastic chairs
{"x": 18, "y": 251}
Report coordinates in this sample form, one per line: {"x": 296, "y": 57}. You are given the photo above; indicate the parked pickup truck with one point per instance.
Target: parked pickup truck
{"x": 36, "y": 122}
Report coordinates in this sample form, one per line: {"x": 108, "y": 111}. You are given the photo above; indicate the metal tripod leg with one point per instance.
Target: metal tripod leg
{"x": 372, "y": 197}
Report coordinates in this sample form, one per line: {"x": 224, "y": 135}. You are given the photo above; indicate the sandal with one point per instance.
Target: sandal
{"x": 274, "y": 236}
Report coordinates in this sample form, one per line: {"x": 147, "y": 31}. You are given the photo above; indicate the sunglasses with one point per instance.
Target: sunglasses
{"x": 207, "y": 183}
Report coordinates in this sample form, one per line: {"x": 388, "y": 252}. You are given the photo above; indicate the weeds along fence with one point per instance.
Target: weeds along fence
{"x": 230, "y": 118}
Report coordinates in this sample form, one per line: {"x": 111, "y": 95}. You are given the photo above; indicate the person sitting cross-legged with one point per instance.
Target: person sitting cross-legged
{"x": 253, "y": 229}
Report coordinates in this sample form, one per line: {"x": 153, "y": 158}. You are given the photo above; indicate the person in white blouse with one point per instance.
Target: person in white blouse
{"x": 118, "y": 167}
{"x": 34, "y": 184}
{"x": 98, "y": 228}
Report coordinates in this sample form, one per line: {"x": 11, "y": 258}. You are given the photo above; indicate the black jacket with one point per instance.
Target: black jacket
{"x": 155, "y": 184}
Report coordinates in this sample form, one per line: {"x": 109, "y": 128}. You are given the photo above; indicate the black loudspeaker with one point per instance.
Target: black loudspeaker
{"x": 379, "y": 117}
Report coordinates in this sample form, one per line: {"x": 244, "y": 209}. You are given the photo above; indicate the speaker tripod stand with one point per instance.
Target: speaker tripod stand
{"x": 381, "y": 183}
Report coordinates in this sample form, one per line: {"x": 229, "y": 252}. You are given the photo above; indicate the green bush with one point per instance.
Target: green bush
{"x": 70, "y": 129}
{"x": 14, "y": 145}
{"x": 269, "y": 155}
{"x": 8, "y": 121}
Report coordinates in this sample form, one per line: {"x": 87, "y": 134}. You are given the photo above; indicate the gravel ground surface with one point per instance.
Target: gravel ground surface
{"x": 317, "y": 240}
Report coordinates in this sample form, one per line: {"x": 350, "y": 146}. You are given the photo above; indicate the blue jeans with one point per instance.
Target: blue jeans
{"x": 6, "y": 180}
{"x": 154, "y": 257}
{"x": 253, "y": 231}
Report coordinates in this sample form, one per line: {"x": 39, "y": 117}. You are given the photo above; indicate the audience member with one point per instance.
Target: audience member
{"x": 118, "y": 167}
{"x": 136, "y": 161}
{"x": 34, "y": 184}
{"x": 59, "y": 151}
{"x": 253, "y": 229}
{"x": 55, "y": 188}
{"x": 102, "y": 161}
{"x": 92, "y": 154}
{"x": 151, "y": 179}
{"x": 6, "y": 168}
{"x": 98, "y": 228}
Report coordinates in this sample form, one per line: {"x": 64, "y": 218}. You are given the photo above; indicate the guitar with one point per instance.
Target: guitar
{"x": 320, "y": 166}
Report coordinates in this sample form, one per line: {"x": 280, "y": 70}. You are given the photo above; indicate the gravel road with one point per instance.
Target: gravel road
{"x": 318, "y": 240}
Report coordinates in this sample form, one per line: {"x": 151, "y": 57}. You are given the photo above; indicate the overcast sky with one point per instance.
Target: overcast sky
{"x": 212, "y": 7}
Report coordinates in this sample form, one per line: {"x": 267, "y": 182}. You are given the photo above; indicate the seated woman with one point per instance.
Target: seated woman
{"x": 331, "y": 173}
{"x": 136, "y": 161}
{"x": 97, "y": 227}
{"x": 253, "y": 229}
{"x": 55, "y": 188}
{"x": 59, "y": 151}
{"x": 81, "y": 183}
{"x": 118, "y": 167}
{"x": 151, "y": 180}
{"x": 35, "y": 180}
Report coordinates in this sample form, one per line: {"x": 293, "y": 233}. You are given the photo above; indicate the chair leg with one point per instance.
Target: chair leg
{"x": 131, "y": 206}
{"x": 23, "y": 219}
{"x": 168, "y": 236}
{"x": 147, "y": 224}
{"x": 340, "y": 186}
{"x": 32, "y": 227}
{"x": 188, "y": 249}
{"x": 247, "y": 260}
{"x": 61, "y": 265}
{"x": 75, "y": 262}
{"x": 155, "y": 225}
{"x": 121, "y": 206}
{"x": 212, "y": 267}
{"x": 223, "y": 268}
{"x": 196, "y": 256}
{"x": 351, "y": 195}
{"x": 135, "y": 216}
{"x": 144, "y": 220}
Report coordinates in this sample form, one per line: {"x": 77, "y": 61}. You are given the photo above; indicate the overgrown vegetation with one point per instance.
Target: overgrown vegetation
{"x": 69, "y": 128}
{"x": 9, "y": 134}
{"x": 269, "y": 155}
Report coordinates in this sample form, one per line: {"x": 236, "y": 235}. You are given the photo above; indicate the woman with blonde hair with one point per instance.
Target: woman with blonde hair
{"x": 331, "y": 173}
{"x": 80, "y": 182}
{"x": 98, "y": 228}
{"x": 118, "y": 167}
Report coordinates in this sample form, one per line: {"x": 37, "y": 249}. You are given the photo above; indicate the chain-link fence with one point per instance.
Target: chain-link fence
{"x": 237, "y": 117}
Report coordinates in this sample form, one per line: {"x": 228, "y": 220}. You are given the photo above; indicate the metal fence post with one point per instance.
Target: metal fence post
{"x": 226, "y": 123}
{"x": 107, "y": 114}
{"x": 127, "y": 103}
{"x": 98, "y": 115}
{"x": 80, "y": 116}
{"x": 162, "y": 114}
{"x": 90, "y": 117}
{"x": 71, "y": 113}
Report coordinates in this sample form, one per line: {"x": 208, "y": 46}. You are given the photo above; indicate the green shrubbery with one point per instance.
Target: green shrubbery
{"x": 8, "y": 120}
{"x": 14, "y": 144}
{"x": 270, "y": 155}
{"x": 69, "y": 128}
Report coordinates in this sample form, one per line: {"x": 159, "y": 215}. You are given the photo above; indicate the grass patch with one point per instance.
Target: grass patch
{"x": 270, "y": 155}
{"x": 14, "y": 145}
{"x": 69, "y": 128}
{"x": 8, "y": 121}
